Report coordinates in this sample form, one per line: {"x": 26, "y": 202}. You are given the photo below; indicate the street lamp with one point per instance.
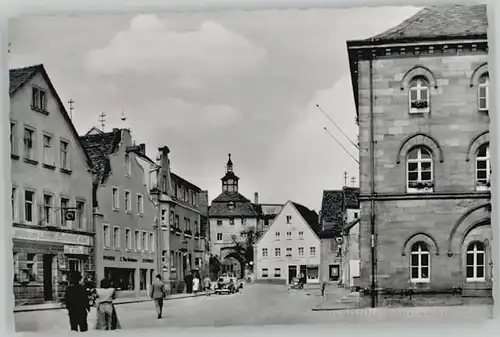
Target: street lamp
{"x": 155, "y": 196}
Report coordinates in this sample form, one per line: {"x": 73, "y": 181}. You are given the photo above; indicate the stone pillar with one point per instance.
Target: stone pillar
{"x": 137, "y": 282}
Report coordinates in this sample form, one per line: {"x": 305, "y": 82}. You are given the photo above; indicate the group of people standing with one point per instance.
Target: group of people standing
{"x": 78, "y": 300}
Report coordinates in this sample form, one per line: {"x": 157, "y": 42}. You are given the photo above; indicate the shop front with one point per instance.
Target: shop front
{"x": 44, "y": 260}
{"x": 130, "y": 275}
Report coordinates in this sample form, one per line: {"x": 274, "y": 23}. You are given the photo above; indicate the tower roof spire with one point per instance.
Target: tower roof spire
{"x": 229, "y": 161}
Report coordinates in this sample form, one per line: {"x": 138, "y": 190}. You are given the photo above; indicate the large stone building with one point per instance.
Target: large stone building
{"x": 421, "y": 93}
{"x": 231, "y": 215}
{"x": 51, "y": 190}
{"x": 125, "y": 241}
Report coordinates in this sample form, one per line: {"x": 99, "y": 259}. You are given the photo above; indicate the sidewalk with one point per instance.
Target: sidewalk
{"x": 118, "y": 301}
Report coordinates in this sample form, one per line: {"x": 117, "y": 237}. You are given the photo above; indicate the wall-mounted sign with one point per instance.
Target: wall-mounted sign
{"x": 127, "y": 259}
{"x": 81, "y": 250}
{"x": 49, "y": 236}
{"x": 147, "y": 261}
{"x": 109, "y": 258}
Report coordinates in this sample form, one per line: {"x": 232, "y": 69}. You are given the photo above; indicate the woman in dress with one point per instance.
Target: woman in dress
{"x": 106, "y": 312}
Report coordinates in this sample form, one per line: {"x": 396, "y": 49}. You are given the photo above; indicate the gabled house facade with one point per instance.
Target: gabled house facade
{"x": 421, "y": 92}
{"x": 51, "y": 198}
{"x": 290, "y": 248}
{"x": 124, "y": 215}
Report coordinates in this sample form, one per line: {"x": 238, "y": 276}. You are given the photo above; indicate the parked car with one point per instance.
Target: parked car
{"x": 228, "y": 284}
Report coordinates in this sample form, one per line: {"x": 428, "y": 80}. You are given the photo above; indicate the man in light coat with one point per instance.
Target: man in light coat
{"x": 157, "y": 294}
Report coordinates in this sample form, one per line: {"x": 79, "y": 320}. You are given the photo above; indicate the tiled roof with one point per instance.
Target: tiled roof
{"x": 311, "y": 217}
{"x": 228, "y": 196}
{"x": 100, "y": 147}
{"x": 241, "y": 209}
{"x": 230, "y": 175}
{"x": 184, "y": 181}
{"x": 20, "y": 76}
{"x": 332, "y": 207}
{"x": 351, "y": 197}
{"x": 440, "y": 21}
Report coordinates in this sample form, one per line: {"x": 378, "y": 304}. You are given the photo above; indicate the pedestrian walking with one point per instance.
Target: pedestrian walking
{"x": 107, "y": 319}
{"x": 157, "y": 294}
{"x": 196, "y": 284}
{"x": 323, "y": 286}
{"x": 77, "y": 303}
{"x": 207, "y": 285}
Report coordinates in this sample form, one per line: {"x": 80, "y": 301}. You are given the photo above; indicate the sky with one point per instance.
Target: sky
{"x": 209, "y": 84}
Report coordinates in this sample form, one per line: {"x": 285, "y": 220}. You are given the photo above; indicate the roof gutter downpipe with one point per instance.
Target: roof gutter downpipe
{"x": 372, "y": 194}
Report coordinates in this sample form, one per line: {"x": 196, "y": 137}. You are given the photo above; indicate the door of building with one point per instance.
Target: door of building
{"x": 334, "y": 272}
{"x": 47, "y": 277}
{"x": 292, "y": 272}
{"x": 303, "y": 272}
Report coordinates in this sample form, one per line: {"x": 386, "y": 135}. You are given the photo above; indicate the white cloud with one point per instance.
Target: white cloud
{"x": 179, "y": 113}
{"x": 149, "y": 45}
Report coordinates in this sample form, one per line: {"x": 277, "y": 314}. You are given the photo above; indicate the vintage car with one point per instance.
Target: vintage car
{"x": 227, "y": 284}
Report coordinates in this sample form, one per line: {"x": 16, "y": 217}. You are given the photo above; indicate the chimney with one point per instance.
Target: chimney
{"x": 256, "y": 198}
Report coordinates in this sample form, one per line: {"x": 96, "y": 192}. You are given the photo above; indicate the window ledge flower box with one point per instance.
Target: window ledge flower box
{"x": 188, "y": 233}
{"x": 178, "y": 231}
{"x": 197, "y": 236}
{"x": 420, "y": 187}
{"x": 172, "y": 228}
{"x": 420, "y": 104}
{"x": 480, "y": 186}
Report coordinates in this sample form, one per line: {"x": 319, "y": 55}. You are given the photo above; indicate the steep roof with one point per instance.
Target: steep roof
{"x": 19, "y": 77}
{"x": 185, "y": 182}
{"x": 351, "y": 197}
{"x": 230, "y": 196}
{"x": 310, "y": 216}
{"x": 241, "y": 209}
{"x": 100, "y": 146}
{"x": 443, "y": 21}
{"x": 332, "y": 207}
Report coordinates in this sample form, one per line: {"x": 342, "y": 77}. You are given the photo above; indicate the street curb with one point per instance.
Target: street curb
{"x": 131, "y": 301}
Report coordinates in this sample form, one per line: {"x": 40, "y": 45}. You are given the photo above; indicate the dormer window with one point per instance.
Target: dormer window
{"x": 231, "y": 206}
{"x": 483, "y": 93}
{"x": 419, "y": 96}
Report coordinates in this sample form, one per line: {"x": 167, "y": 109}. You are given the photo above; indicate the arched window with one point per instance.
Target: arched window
{"x": 419, "y": 170}
{"x": 483, "y": 93}
{"x": 483, "y": 167}
{"x": 475, "y": 262}
{"x": 418, "y": 95}
{"x": 231, "y": 206}
{"x": 420, "y": 264}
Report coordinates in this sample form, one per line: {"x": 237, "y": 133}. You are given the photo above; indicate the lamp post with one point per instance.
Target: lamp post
{"x": 155, "y": 195}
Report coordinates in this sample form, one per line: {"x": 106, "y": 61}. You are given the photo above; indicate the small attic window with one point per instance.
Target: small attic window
{"x": 231, "y": 206}
{"x": 39, "y": 99}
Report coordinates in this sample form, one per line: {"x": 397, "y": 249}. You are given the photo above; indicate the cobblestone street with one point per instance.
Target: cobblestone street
{"x": 258, "y": 305}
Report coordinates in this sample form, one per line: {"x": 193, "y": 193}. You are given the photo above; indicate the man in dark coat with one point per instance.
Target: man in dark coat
{"x": 77, "y": 303}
